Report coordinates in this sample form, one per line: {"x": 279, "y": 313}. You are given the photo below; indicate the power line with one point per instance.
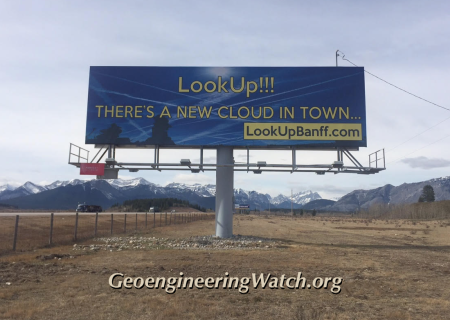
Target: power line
{"x": 418, "y": 134}
{"x": 419, "y": 149}
{"x": 429, "y": 128}
{"x": 437, "y": 105}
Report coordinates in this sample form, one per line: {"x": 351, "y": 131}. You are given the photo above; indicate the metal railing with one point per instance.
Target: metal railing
{"x": 73, "y": 152}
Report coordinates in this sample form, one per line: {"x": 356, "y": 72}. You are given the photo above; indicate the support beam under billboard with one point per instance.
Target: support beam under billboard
{"x": 224, "y": 192}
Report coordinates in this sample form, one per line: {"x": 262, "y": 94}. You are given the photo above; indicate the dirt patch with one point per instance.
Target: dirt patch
{"x": 381, "y": 229}
{"x": 383, "y": 276}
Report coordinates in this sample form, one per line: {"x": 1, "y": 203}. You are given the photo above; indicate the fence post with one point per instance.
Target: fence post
{"x": 16, "y": 228}
{"x": 112, "y": 222}
{"x": 50, "y": 240}
{"x": 125, "y": 224}
{"x": 136, "y": 223}
{"x": 146, "y": 220}
{"x": 154, "y": 219}
{"x": 165, "y": 222}
{"x": 160, "y": 218}
{"x": 76, "y": 227}
{"x": 170, "y": 222}
{"x": 96, "y": 223}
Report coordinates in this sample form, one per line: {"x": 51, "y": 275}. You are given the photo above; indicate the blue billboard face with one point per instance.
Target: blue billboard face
{"x": 259, "y": 107}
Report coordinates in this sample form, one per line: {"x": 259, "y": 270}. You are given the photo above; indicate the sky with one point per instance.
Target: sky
{"x": 48, "y": 47}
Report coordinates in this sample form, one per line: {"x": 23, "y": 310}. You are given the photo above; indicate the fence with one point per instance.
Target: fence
{"x": 26, "y": 232}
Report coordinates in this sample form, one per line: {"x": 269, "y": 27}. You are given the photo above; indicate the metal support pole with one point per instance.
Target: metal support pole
{"x": 125, "y": 224}
{"x": 165, "y": 222}
{"x": 201, "y": 159}
{"x": 154, "y": 219}
{"x": 160, "y": 218}
{"x": 146, "y": 220}
{"x": 135, "y": 227}
{"x": 248, "y": 159}
{"x": 294, "y": 161}
{"x": 96, "y": 224}
{"x": 224, "y": 192}
{"x": 16, "y": 228}
{"x": 50, "y": 240}
{"x": 76, "y": 227}
{"x": 112, "y": 223}
{"x": 170, "y": 222}
{"x": 157, "y": 156}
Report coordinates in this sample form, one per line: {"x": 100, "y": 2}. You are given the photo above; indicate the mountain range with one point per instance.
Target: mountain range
{"x": 67, "y": 194}
{"x": 389, "y": 194}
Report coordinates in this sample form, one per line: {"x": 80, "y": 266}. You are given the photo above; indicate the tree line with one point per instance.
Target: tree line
{"x": 295, "y": 212}
{"x": 143, "y": 205}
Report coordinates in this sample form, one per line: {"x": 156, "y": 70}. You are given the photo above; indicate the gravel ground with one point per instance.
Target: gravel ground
{"x": 192, "y": 243}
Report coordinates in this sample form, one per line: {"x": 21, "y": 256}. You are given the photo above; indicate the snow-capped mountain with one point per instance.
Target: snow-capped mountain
{"x": 108, "y": 192}
{"x": 7, "y": 187}
{"x": 24, "y": 190}
{"x": 32, "y": 188}
{"x": 131, "y": 183}
{"x": 298, "y": 198}
{"x": 58, "y": 183}
{"x": 208, "y": 190}
{"x": 67, "y": 194}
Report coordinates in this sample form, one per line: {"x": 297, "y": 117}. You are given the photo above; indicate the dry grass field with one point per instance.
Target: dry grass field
{"x": 391, "y": 269}
{"x": 34, "y": 229}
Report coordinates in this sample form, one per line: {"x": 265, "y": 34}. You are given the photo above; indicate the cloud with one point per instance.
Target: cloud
{"x": 12, "y": 183}
{"x": 426, "y": 163}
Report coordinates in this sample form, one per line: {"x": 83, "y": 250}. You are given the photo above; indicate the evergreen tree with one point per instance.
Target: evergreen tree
{"x": 427, "y": 194}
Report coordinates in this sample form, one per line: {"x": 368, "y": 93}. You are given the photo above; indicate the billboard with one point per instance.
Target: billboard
{"x": 256, "y": 107}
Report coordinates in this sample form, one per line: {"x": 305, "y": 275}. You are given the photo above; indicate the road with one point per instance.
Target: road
{"x": 68, "y": 213}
